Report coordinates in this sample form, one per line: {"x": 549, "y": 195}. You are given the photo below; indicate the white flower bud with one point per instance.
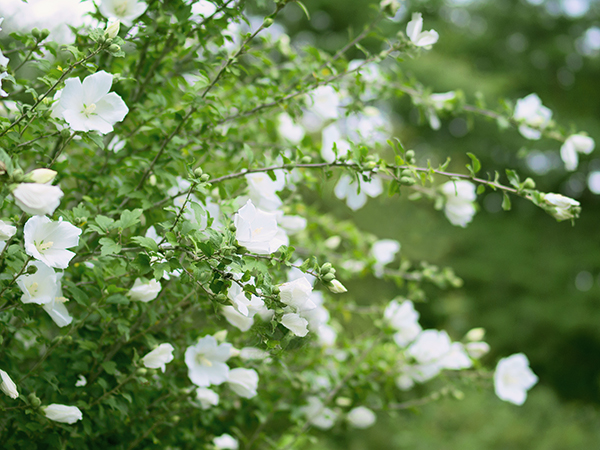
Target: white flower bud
{"x": 62, "y": 413}
{"x": 336, "y": 287}
{"x": 42, "y": 176}
{"x": 361, "y": 417}
{"x": 475, "y": 334}
{"x": 7, "y": 385}
{"x": 112, "y": 30}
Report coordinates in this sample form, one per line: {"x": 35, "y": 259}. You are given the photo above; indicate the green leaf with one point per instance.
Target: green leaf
{"x": 506, "y": 202}
{"x": 109, "y": 247}
{"x": 96, "y": 139}
{"x": 476, "y": 164}
{"x": 105, "y": 223}
{"x": 146, "y": 242}
{"x": 513, "y": 178}
{"x": 110, "y": 367}
{"x": 129, "y": 218}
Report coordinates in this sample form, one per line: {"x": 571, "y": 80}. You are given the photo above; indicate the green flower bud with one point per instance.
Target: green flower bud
{"x": 406, "y": 173}
{"x": 44, "y": 33}
{"x": 528, "y": 184}
{"x": 410, "y": 154}
{"x": 306, "y": 160}
{"x": 329, "y": 277}
{"x": 114, "y": 48}
{"x": 31, "y": 270}
{"x": 65, "y": 133}
{"x": 267, "y": 22}
{"x": 36, "y": 33}
{"x": 407, "y": 181}
{"x": 204, "y": 178}
{"x": 198, "y": 172}
{"x": 141, "y": 371}
{"x": 325, "y": 268}
{"x": 34, "y": 401}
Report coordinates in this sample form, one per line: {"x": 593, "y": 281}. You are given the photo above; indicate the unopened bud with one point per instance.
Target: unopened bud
{"x": 306, "y": 160}
{"x": 267, "y": 22}
{"x": 141, "y": 371}
{"x": 114, "y": 48}
{"x": 41, "y": 176}
{"x": 528, "y": 184}
{"x": 410, "y": 154}
{"x": 112, "y": 30}
{"x": 407, "y": 181}
{"x": 220, "y": 336}
{"x": 34, "y": 400}
{"x": 204, "y": 178}
{"x": 476, "y": 334}
{"x": 336, "y": 287}
{"x": 198, "y": 172}
{"x": 328, "y": 278}
{"x": 44, "y": 33}
{"x": 65, "y": 133}
{"x": 36, "y": 33}
{"x": 325, "y": 268}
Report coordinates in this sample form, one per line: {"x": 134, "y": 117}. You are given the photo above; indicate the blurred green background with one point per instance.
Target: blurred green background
{"x": 531, "y": 282}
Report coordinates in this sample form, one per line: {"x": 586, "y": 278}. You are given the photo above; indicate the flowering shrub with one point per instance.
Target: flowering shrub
{"x": 191, "y": 295}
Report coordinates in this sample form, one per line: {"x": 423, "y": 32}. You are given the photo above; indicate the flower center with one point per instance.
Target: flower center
{"x": 33, "y": 288}
{"x": 121, "y": 8}
{"x": 44, "y": 246}
{"x": 61, "y": 299}
{"x": 88, "y": 110}
{"x": 257, "y": 231}
{"x": 201, "y": 359}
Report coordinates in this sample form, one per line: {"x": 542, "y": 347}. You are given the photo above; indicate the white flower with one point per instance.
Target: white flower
{"x": 477, "y": 349}
{"x": 404, "y": 381}
{"x": 56, "y": 308}
{"x": 3, "y": 62}
{"x": 317, "y": 415}
{"x": 415, "y": 32}
{"x": 89, "y": 106}
{"x": 574, "y": 144}
{"x": 460, "y": 198}
{"x": 289, "y": 130}
{"x": 7, "y": 385}
{"x": 297, "y": 294}
{"x": 124, "y": 10}
{"x": 532, "y": 115}
{"x": 430, "y": 346}
{"x": 561, "y": 207}
{"x": 237, "y": 319}
{"x": 513, "y": 378}
{"x": 403, "y": 318}
{"x": 356, "y": 193}
{"x": 81, "y": 381}
{"x": 62, "y": 413}
{"x": 361, "y": 417}
{"x": 6, "y": 231}
{"x": 325, "y": 102}
{"x": 243, "y": 382}
{"x": 112, "y": 29}
{"x": 257, "y": 230}
{"x": 262, "y": 191}
{"x": 225, "y": 442}
{"x": 247, "y": 307}
{"x": 42, "y": 176}
{"x": 159, "y": 357}
{"x": 253, "y": 353}
{"x": 326, "y": 335}
{"x": 3, "y": 75}
{"x": 295, "y": 323}
{"x": 37, "y": 199}
{"x": 384, "y": 251}
{"x": 47, "y": 241}
{"x": 332, "y": 135}
{"x": 206, "y": 362}
{"x": 204, "y": 8}
{"x": 144, "y": 292}
{"x": 207, "y": 397}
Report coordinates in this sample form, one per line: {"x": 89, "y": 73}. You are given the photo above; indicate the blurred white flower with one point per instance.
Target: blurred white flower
{"x": 144, "y": 291}
{"x": 513, "y": 378}
{"x": 3, "y": 93}
{"x": 206, "y": 362}
{"x": 88, "y": 106}
{"x": 243, "y": 382}
{"x": 575, "y": 144}
{"x": 81, "y": 381}
{"x": 331, "y": 135}
{"x": 477, "y": 349}
{"x": 384, "y": 251}
{"x": 62, "y": 413}
{"x": 324, "y": 101}
{"x": 460, "y": 201}
{"x": 225, "y": 442}
{"x": 403, "y": 318}
{"x": 415, "y": 32}
{"x": 237, "y": 319}
{"x": 257, "y": 230}
{"x": 532, "y": 116}
{"x": 159, "y": 357}
{"x": 207, "y": 397}
{"x": 124, "y": 10}
{"x": 361, "y": 417}
{"x": 7, "y": 385}
{"x": 356, "y": 193}
{"x": 297, "y": 294}
{"x": 262, "y": 191}
{"x": 253, "y": 354}
{"x": 317, "y": 414}
{"x": 47, "y": 241}
{"x": 289, "y": 130}
{"x": 37, "y": 199}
